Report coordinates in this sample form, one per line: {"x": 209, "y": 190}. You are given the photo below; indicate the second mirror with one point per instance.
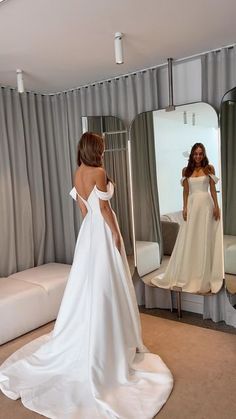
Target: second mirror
{"x": 178, "y": 227}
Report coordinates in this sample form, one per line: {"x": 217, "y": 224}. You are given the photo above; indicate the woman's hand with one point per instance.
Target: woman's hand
{"x": 184, "y": 214}
{"x": 117, "y": 240}
{"x": 216, "y": 213}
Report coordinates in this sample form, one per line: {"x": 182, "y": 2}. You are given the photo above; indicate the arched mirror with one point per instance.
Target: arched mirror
{"x": 161, "y": 142}
{"x": 116, "y": 163}
{"x": 228, "y": 155}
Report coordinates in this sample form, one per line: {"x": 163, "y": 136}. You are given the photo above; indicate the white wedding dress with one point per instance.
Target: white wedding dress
{"x": 196, "y": 263}
{"x": 93, "y": 364}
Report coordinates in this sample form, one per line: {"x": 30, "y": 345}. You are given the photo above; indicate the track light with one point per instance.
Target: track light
{"x": 20, "y": 83}
{"x": 118, "y": 48}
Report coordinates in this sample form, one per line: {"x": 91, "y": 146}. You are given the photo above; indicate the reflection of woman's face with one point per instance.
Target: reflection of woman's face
{"x": 198, "y": 155}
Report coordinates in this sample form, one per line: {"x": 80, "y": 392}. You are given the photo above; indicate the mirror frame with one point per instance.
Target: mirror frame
{"x": 136, "y": 276}
{"x": 230, "y": 95}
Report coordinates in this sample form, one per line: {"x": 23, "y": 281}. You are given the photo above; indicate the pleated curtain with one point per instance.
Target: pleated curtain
{"x": 218, "y": 76}
{"x": 16, "y": 227}
{"x": 228, "y": 166}
{"x": 146, "y": 201}
{"x": 38, "y": 140}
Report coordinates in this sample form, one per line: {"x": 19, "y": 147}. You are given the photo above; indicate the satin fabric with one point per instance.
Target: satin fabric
{"x": 93, "y": 364}
{"x": 196, "y": 263}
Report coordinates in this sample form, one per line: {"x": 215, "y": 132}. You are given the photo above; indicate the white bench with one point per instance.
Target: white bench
{"x": 230, "y": 254}
{"x": 148, "y": 257}
{"x": 31, "y": 298}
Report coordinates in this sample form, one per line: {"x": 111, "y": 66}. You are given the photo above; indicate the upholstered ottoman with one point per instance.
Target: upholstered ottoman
{"x": 148, "y": 257}
{"x": 31, "y": 298}
{"x": 230, "y": 283}
{"x": 230, "y": 254}
{"x": 23, "y": 307}
{"x": 51, "y": 277}
{"x": 148, "y": 266}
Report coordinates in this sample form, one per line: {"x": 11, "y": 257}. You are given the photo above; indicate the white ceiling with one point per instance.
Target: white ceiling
{"x": 64, "y": 44}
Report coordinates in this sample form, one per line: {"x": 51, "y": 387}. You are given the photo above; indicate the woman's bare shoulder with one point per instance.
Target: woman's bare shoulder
{"x": 94, "y": 171}
{"x": 99, "y": 174}
{"x": 89, "y": 175}
{"x": 101, "y": 178}
{"x": 100, "y": 170}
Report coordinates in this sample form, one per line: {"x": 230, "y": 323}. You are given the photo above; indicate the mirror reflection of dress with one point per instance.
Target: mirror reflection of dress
{"x": 196, "y": 263}
{"x": 93, "y": 364}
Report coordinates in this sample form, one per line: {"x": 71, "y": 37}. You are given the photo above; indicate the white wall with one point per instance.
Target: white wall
{"x": 172, "y": 138}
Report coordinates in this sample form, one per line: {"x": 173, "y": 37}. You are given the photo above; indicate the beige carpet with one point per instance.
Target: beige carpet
{"x": 202, "y": 361}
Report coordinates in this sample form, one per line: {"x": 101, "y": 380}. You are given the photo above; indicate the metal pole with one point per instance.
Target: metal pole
{"x": 171, "y": 106}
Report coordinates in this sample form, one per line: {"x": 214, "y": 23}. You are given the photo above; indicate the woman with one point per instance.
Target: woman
{"x": 93, "y": 364}
{"x": 196, "y": 263}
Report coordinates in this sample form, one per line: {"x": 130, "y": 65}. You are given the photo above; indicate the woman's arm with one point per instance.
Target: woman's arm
{"x": 216, "y": 210}
{"x": 82, "y": 206}
{"x": 185, "y": 195}
{"x": 79, "y": 202}
{"x": 101, "y": 183}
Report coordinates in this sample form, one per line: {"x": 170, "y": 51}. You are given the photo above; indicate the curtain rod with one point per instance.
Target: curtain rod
{"x": 188, "y": 58}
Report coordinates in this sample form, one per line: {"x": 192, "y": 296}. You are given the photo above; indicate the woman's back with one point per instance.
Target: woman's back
{"x": 88, "y": 367}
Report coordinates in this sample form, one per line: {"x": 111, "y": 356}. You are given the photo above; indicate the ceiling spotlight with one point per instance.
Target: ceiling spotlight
{"x": 20, "y": 83}
{"x": 118, "y": 48}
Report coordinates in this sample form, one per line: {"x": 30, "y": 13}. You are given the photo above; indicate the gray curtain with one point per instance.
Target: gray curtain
{"x": 218, "y": 76}
{"x": 36, "y": 176}
{"x": 146, "y": 203}
{"x": 38, "y": 139}
{"x": 228, "y": 165}
{"x": 16, "y": 226}
{"x": 49, "y": 163}
{"x": 219, "y": 308}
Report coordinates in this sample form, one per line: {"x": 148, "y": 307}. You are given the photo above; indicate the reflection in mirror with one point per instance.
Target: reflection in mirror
{"x": 102, "y": 124}
{"x": 148, "y": 238}
{"x": 228, "y": 156}
{"x": 116, "y": 165}
{"x": 190, "y": 251}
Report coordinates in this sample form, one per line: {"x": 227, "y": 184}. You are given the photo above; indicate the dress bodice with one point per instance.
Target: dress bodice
{"x": 199, "y": 183}
{"x": 92, "y": 202}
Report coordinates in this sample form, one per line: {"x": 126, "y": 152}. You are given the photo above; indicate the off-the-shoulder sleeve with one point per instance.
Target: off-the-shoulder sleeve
{"x": 105, "y": 196}
{"x": 182, "y": 180}
{"x": 73, "y": 194}
{"x": 214, "y": 177}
